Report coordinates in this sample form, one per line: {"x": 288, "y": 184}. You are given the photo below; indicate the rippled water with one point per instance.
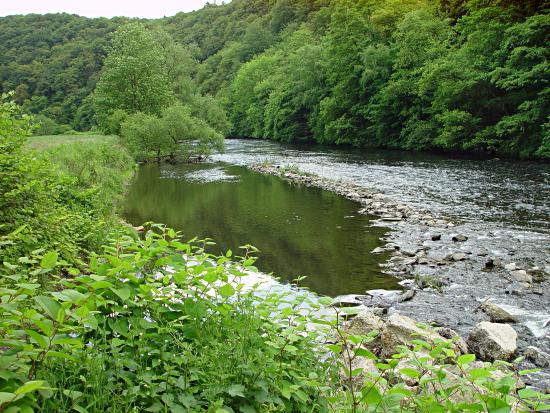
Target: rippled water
{"x": 513, "y": 194}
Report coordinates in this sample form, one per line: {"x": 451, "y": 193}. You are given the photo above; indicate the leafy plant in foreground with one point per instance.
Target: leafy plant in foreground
{"x": 153, "y": 325}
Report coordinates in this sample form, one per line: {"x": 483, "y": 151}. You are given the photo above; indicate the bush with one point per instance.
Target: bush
{"x": 60, "y": 199}
{"x": 154, "y": 325}
{"x": 48, "y": 126}
{"x": 176, "y": 134}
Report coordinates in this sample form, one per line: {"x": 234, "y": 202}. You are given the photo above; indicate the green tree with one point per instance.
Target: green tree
{"x": 175, "y": 134}
{"x": 134, "y": 77}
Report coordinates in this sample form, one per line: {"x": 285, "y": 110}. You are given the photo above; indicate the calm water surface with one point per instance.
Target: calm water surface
{"x": 299, "y": 231}
{"x": 307, "y": 231}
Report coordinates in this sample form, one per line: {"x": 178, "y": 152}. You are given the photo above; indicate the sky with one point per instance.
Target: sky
{"x": 103, "y": 8}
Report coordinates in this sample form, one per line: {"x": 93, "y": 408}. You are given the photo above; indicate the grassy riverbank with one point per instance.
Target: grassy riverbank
{"x": 48, "y": 141}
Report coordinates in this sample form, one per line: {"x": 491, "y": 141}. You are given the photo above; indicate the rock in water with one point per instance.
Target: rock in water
{"x": 493, "y": 262}
{"x": 349, "y": 300}
{"x": 459, "y": 256}
{"x": 537, "y": 356}
{"x": 521, "y": 276}
{"x": 512, "y": 266}
{"x": 459, "y": 238}
{"x": 497, "y": 314}
{"x": 492, "y": 341}
{"x": 406, "y": 296}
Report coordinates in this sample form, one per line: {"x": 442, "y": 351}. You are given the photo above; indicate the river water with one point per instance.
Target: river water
{"x": 314, "y": 233}
{"x": 513, "y": 194}
{"x": 299, "y": 231}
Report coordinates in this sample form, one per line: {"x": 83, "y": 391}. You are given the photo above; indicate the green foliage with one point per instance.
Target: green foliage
{"x": 157, "y": 324}
{"x": 397, "y": 74}
{"x": 62, "y": 198}
{"x": 53, "y": 62}
{"x": 134, "y": 76}
{"x": 456, "y": 75}
{"x": 176, "y": 134}
{"x": 47, "y": 126}
{"x": 153, "y": 325}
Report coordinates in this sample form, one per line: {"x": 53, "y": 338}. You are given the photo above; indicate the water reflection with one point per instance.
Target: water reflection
{"x": 299, "y": 231}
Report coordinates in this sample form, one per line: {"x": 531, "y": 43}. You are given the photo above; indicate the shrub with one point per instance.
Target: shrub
{"x": 48, "y": 126}
{"x": 60, "y": 199}
{"x": 153, "y": 325}
{"x": 176, "y": 134}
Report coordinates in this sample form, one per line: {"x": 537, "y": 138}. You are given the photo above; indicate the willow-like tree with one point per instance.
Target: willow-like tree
{"x": 134, "y": 77}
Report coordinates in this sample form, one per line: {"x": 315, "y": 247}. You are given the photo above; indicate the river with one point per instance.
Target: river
{"x": 501, "y": 209}
{"x": 314, "y": 233}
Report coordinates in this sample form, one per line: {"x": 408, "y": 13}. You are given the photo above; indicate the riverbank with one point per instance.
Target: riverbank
{"x": 450, "y": 269}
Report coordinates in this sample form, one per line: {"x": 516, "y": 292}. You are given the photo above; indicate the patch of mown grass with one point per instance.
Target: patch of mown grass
{"x": 48, "y": 141}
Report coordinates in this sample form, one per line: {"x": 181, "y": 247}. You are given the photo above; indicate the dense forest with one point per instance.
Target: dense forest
{"x": 461, "y": 75}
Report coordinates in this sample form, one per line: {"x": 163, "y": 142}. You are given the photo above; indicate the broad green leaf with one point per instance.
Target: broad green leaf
{"x": 465, "y": 359}
{"x": 49, "y": 260}
{"x": 410, "y": 372}
{"x": 227, "y": 290}
{"x": 479, "y": 373}
{"x": 236, "y": 390}
{"x": 362, "y": 352}
{"x": 30, "y": 386}
{"x": 50, "y": 306}
{"x": 325, "y": 301}
{"x": 40, "y": 339}
{"x": 122, "y": 293}
{"x": 6, "y": 397}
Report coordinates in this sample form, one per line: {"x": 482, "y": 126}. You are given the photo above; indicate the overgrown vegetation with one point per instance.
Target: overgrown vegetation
{"x": 61, "y": 198}
{"x": 91, "y": 322}
{"x": 463, "y": 75}
{"x": 140, "y": 95}
{"x": 403, "y": 74}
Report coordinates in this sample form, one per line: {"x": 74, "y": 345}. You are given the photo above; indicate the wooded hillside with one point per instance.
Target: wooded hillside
{"x": 467, "y": 75}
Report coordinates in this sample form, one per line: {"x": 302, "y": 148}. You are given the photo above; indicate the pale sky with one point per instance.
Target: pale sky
{"x": 104, "y": 8}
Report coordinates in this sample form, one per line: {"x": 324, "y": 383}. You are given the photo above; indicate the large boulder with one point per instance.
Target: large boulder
{"x": 365, "y": 322}
{"x": 492, "y": 341}
{"x": 400, "y": 330}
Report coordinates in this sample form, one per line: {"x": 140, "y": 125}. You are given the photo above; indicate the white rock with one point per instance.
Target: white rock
{"x": 492, "y": 341}
{"x": 521, "y": 276}
{"x": 511, "y": 266}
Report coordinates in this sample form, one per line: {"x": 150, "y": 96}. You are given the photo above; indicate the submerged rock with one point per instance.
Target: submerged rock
{"x": 492, "y": 341}
{"x": 497, "y": 314}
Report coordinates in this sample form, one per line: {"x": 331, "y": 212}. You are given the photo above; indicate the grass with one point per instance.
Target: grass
{"x": 48, "y": 141}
